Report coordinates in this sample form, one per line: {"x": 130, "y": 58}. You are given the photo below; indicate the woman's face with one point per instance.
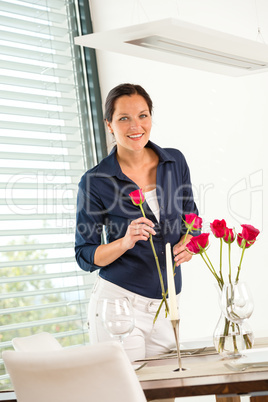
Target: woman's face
{"x": 131, "y": 123}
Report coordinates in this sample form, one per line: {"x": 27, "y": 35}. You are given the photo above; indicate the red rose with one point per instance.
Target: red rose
{"x": 198, "y": 243}
{"x": 137, "y": 197}
{"x": 218, "y": 228}
{"x": 249, "y": 233}
{"x": 248, "y": 236}
{"x": 241, "y": 241}
{"x": 193, "y": 221}
{"x": 229, "y": 236}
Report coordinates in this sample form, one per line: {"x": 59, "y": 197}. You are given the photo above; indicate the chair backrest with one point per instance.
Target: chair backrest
{"x": 96, "y": 373}
{"x": 38, "y": 342}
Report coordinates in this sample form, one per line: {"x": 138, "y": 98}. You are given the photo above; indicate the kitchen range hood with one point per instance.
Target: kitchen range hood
{"x": 182, "y": 43}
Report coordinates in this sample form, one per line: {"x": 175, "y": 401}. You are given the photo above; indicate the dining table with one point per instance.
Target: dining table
{"x": 204, "y": 372}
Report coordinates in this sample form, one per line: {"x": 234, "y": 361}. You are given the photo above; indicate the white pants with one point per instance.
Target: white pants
{"x": 147, "y": 339}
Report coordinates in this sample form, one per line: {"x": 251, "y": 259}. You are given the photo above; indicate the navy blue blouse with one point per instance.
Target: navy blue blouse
{"x": 103, "y": 200}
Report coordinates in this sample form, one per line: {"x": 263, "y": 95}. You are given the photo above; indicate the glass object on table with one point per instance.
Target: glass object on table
{"x": 237, "y": 306}
{"x": 117, "y": 317}
{"x": 227, "y": 340}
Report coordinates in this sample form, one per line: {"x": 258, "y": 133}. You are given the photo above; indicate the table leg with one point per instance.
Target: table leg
{"x": 260, "y": 398}
{"x": 228, "y": 399}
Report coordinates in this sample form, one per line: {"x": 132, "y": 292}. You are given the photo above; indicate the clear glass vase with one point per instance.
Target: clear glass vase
{"x": 230, "y": 338}
{"x": 233, "y": 332}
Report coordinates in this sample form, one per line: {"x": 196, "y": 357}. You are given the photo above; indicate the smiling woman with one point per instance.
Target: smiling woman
{"x": 132, "y": 131}
{"x": 128, "y": 118}
{"x": 126, "y": 264}
{"x": 131, "y": 123}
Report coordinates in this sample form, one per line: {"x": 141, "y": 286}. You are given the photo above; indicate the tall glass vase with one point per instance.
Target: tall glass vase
{"x": 229, "y": 339}
{"x": 233, "y": 333}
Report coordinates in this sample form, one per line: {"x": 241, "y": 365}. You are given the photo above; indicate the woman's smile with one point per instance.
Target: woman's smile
{"x": 135, "y": 137}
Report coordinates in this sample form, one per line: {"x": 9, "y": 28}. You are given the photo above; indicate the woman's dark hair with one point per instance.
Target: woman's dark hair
{"x": 121, "y": 90}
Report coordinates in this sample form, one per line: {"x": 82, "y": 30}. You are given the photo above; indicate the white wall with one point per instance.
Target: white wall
{"x": 220, "y": 123}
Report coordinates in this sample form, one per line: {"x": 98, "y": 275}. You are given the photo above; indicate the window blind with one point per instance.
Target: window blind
{"x": 46, "y": 143}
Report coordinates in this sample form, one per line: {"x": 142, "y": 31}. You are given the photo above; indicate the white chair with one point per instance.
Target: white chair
{"x": 38, "y": 342}
{"x": 96, "y": 373}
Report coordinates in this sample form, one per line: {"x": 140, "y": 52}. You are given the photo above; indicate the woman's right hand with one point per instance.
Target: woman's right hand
{"x": 139, "y": 229}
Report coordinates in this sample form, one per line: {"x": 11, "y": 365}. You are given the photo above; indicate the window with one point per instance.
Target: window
{"x": 47, "y": 141}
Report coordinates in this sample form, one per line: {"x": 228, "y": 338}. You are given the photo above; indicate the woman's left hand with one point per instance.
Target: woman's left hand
{"x": 180, "y": 254}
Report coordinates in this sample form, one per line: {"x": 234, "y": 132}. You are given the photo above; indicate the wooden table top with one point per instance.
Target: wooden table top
{"x": 202, "y": 384}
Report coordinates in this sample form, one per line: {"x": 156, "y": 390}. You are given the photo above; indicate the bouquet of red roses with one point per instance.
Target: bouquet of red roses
{"x": 245, "y": 239}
